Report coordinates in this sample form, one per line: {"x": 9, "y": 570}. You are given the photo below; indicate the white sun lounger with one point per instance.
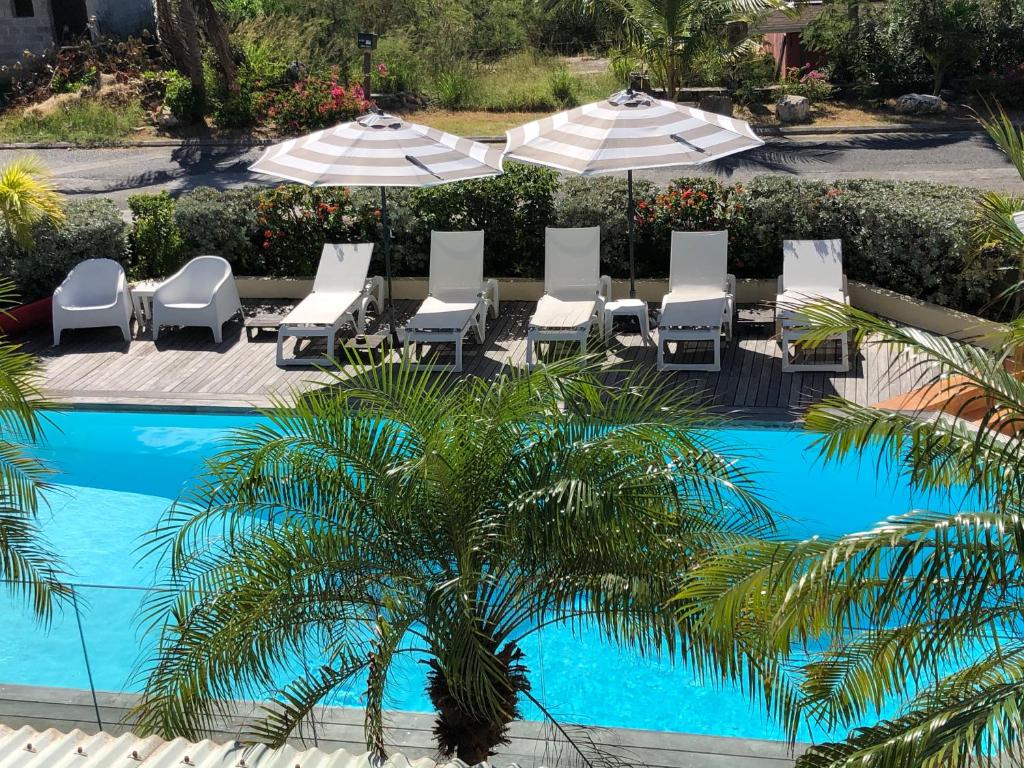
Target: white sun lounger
{"x": 701, "y": 298}
{"x": 574, "y": 289}
{"x": 458, "y": 299}
{"x": 202, "y": 293}
{"x": 93, "y": 295}
{"x": 812, "y": 270}
{"x": 341, "y": 294}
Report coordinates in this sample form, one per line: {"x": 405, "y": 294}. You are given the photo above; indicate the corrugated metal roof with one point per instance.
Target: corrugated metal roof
{"x": 28, "y": 748}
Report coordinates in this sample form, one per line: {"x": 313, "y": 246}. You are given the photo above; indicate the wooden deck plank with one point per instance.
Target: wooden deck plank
{"x": 185, "y": 366}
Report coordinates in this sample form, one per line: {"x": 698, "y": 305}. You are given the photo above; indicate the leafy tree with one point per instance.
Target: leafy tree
{"x": 945, "y": 31}
{"x": 399, "y": 514}
{"x": 27, "y": 197}
{"x": 182, "y": 24}
{"x": 923, "y": 611}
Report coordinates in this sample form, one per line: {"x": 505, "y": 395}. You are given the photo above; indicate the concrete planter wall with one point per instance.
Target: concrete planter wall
{"x": 895, "y": 306}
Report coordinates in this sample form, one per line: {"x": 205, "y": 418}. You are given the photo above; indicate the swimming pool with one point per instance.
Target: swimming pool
{"x": 119, "y": 471}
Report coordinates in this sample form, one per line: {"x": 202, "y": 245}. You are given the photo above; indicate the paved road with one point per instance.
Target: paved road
{"x": 954, "y": 158}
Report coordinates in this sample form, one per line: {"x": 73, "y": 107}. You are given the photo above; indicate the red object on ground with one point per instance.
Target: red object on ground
{"x": 26, "y": 316}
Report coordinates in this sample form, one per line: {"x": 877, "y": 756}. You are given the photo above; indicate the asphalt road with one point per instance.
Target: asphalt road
{"x": 954, "y": 158}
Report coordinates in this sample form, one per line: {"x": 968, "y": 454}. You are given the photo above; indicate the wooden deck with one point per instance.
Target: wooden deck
{"x": 186, "y": 369}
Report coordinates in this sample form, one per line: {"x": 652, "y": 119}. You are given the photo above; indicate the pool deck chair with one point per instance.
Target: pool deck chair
{"x": 341, "y": 294}
{"x": 93, "y": 295}
{"x": 458, "y": 299}
{"x": 200, "y": 294}
{"x": 812, "y": 270}
{"x": 574, "y": 289}
{"x": 701, "y": 299}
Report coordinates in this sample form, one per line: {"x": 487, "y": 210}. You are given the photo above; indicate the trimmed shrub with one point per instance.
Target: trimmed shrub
{"x": 910, "y": 237}
{"x": 155, "y": 240}
{"x": 92, "y": 229}
{"x": 513, "y": 209}
{"x": 601, "y": 201}
{"x": 293, "y": 223}
{"x": 687, "y": 205}
{"x": 221, "y": 223}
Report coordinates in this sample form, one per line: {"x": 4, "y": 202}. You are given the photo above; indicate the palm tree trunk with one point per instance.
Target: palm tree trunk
{"x": 473, "y": 736}
{"x": 193, "y": 53}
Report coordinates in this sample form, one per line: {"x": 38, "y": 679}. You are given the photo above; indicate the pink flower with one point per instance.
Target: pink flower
{"x": 382, "y": 69}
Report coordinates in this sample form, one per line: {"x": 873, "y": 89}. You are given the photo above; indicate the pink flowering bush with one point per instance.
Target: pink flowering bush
{"x": 314, "y": 102}
{"x": 807, "y": 81}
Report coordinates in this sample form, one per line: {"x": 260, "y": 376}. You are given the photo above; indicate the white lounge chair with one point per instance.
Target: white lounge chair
{"x": 94, "y": 295}
{"x": 574, "y": 289}
{"x": 458, "y": 299}
{"x": 701, "y": 299}
{"x": 200, "y": 294}
{"x": 342, "y": 293}
{"x": 812, "y": 270}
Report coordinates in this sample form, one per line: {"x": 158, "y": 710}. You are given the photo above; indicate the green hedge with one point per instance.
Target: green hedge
{"x": 92, "y": 229}
{"x": 910, "y": 237}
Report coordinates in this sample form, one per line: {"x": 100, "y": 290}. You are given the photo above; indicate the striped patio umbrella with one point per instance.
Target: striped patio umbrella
{"x": 629, "y": 131}
{"x": 379, "y": 150}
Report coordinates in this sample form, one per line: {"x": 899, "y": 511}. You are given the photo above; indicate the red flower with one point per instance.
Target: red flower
{"x": 266, "y": 244}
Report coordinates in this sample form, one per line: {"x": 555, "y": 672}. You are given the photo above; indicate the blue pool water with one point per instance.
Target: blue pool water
{"x": 119, "y": 471}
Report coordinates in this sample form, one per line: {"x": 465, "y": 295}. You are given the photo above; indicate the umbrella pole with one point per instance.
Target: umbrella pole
{"x": 385, "y": 221}
{"x": 630, "y": 215}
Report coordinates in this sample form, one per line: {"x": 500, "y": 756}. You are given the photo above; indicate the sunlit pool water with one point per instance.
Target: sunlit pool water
{"x": 119, "y": 471}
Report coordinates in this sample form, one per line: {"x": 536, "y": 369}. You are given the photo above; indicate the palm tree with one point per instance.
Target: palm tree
{"x": 402, "y": 515}
{"x": 668, "y": 34}
{"x": 923, "y": 612}
{"x": 27, "y": 566}
{"x": 27, "y": 196}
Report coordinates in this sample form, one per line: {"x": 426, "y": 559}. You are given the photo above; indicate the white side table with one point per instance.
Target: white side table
{"x": 624, "y": 308}
{"x": 142, "y": 301}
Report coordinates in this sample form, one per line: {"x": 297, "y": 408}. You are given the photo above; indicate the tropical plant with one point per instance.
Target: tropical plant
{"x": 915, "y": 623}
{"x": 27, "y": 197}
{"x": 999, "y": 217}
{"x": 668, "y": 35}
{"x": 27, "y": 566}
{"x": 396, "y": 515}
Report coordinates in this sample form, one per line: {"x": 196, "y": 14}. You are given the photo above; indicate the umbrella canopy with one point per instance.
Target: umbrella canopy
{"x": 629, "y": 131}
{"x": 379, "y": 150}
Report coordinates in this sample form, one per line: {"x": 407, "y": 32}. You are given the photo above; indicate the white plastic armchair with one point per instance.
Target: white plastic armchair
{"x": 202, "y": 294}
{"x": 93, "y": 295}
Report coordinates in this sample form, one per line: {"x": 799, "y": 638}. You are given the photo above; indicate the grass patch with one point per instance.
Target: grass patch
{"x": 80, "y": 122}
{"x": 525, "y": 82}
{"x": 473, "y": 122}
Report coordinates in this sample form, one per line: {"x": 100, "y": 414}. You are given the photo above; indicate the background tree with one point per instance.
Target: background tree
{"x": 668, "y": 35}
{"x": 401, "y": 515}
{"x": 924, "y": 611}
{"x": 181, "y": 25}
